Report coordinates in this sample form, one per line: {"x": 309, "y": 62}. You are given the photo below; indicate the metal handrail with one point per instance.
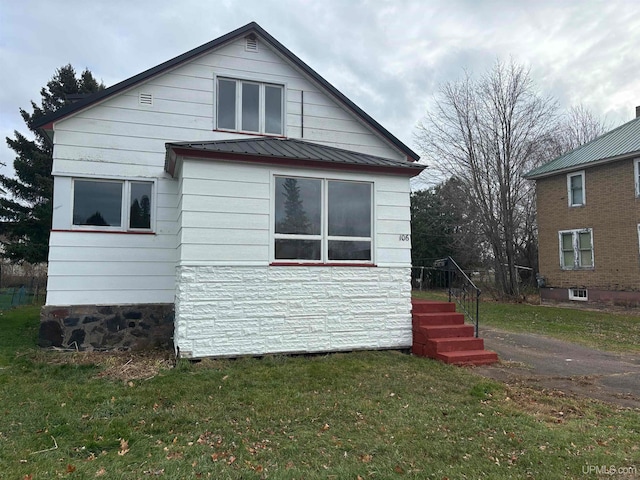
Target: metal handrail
{"x": 460, "y": 287}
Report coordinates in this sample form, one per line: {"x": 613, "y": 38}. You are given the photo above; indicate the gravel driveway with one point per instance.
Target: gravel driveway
{"x": 557, "y": 364}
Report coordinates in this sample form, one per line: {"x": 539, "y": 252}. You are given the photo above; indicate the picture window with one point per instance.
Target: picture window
{"x": 112, "y": 204}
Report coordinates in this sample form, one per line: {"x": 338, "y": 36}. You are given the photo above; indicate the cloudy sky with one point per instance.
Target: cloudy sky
{"x": 388, "y": 56}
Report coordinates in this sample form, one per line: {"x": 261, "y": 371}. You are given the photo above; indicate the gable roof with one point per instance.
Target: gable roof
{"x": 252, "y": 27}
{"x": 618, "y": 144}
{"x": 284, "y": 151}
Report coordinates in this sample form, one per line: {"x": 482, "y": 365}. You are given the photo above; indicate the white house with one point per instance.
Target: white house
{"x": 230, "y": 198}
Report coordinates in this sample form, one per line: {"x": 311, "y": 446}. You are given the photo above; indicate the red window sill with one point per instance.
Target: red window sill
{"x": 125, "y": 232}
{"x": 312, "y": 264}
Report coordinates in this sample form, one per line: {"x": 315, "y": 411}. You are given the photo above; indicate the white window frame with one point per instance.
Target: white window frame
{"x": 570, "y": 193}
{"x": 636, "y": 174}
{"x": 575, "y": 236}
{"x": 579, "y": 294}
{"x": 261, "y": 106}
{"x": 324, "y": 224}
{"x": 125, "y": 205}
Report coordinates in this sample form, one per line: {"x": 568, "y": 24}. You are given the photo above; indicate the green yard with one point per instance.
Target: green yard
{"x": 342, "y": 416}
{"x": 617, "y": 331}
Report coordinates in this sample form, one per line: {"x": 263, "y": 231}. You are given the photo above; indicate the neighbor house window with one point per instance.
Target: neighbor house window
{"x": 579, "y": 294}
{"x": 575, "y": 189}
{"x": 576, "y": 249}
{"x": 112, "y": 204}
{"x": 250, "y": 106}
{"x": 320, "y": 220}
{"x": 636, "y": 175}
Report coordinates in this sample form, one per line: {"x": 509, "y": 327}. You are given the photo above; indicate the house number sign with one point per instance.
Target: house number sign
{"x": 405, "y": 237}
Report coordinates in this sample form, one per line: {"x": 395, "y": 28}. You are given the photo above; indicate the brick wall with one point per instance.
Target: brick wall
{"x": 611, "y": 210}
{"x": 229, "y": 311}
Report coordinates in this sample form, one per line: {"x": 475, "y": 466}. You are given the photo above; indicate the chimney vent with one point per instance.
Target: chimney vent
{"x": 638, "y": 111}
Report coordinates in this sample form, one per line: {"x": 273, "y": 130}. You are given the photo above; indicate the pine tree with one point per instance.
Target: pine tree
{"x": 296, "y": 220}
{"x": 27, "y": 208}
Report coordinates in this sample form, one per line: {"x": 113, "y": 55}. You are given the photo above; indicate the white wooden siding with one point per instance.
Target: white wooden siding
{"x": 229, "y": 223}
{"x": 219, "y": 213}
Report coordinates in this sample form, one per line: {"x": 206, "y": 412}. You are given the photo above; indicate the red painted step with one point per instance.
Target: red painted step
{"x": 470, "y": 357}
{"x": 439, "y": 345}
{"x": 437, "y": 318}
{"x": 431, "y": 306}
{"x": 448, "y": 331}
{"x": 439, "y": 332}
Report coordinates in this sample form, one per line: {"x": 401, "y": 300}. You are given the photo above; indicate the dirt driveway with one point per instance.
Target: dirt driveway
{"x": 545, "y": 362}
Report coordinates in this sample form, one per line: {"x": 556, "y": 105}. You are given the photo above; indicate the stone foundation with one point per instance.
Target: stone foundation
{"x": 107, "y": 327}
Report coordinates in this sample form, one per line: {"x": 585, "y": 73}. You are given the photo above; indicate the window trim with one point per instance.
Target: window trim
{"x": 574, "y": 294}
{"x": 125, "y": 206}
{"x": 575, "y": 236}
{"x": 636, "y": 176}
{"x": 324, "y": 226}
{"x": 261, "y": 105}
{"x": 569, "y": 191}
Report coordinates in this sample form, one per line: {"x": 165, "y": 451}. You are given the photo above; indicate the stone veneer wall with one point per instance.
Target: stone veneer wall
{"x": 107, "y": 327}
{"x": 230, "y": 311}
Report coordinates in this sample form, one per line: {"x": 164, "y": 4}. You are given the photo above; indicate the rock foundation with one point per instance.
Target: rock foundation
{"x": 107, "y": 327}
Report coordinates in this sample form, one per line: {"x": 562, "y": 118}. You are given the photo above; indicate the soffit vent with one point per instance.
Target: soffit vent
{"x": 251, "y": 43}
{"x": 145, "y": 98}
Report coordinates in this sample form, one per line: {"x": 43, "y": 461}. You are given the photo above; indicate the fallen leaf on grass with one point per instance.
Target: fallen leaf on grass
{"x": 27, "y": 477}
{"x": 70, "y": 468}
{"x": 124, "y": 447}
{"x": 366, "y": 458}
{"x": 398, "y": 469}
{"x": 101, "y": 472}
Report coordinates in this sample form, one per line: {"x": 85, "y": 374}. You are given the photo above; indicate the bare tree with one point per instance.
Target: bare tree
{"x": 489, "y": 132}
{"x": 577, "y": 127}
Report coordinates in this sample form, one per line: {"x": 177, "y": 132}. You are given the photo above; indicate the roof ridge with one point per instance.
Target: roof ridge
{"x": 215, "y": 43}
{"x": 549, "y": 167}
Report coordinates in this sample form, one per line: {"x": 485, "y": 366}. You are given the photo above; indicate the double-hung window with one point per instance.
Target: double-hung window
{"x": 575, "y": 189}
{"x": 112, "y": 205}
{"x": 636, "y": 175}
{"x": 322, "y": 220}
{"x": 252, "y": 107}
{"x": 576, "y": 249}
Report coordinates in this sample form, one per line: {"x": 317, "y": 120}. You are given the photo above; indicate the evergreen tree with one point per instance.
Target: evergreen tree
{"x": 296, "y": 220}
{"x": 26, "y": 209}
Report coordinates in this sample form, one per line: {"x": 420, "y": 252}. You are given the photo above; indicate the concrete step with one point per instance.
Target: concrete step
{"x": 471, "y": 357}
{"x": 437, "y": 318}
{"x": 459, "y": 344}
{"x": 446, "y": 331}
{"x": 426, "y": 306}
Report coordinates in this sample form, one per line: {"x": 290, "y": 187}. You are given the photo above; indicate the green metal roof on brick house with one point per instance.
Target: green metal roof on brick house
{"x": 620, "y": 143}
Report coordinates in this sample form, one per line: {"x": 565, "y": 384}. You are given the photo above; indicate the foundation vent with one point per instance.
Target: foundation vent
{"x": 145, "y": 99}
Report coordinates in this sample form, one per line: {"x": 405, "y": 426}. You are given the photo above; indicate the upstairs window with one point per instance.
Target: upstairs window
{"x": 575, "y": 189}
{"x": 112, "y": 204}
{"x": 319, "y": 220}
{"x": 576, "y": 249}
{"x": 250, "y": 106}
{"x": 636, "y": 172}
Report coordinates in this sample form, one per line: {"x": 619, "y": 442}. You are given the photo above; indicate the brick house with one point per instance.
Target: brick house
{"x": 588, "y": 203}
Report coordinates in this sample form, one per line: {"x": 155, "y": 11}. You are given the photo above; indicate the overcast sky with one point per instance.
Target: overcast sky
{"x": 387, "y": 56}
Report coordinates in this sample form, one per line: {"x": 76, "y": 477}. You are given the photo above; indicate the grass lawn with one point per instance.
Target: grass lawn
{"x": 613, "y": 331}
{"x": 343, "y": 416}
